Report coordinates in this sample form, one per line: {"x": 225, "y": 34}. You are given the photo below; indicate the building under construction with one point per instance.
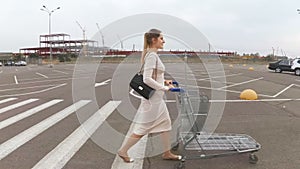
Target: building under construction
{"x": 60, "y": 44}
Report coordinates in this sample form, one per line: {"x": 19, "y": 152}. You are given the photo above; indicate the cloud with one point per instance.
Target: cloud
{"x": 243, "y": 26}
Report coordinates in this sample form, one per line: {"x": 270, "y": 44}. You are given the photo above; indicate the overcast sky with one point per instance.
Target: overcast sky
{"x": 244, "y": 26}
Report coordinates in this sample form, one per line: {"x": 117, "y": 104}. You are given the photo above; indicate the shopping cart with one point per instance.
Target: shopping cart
{"x": 193, "y": 110}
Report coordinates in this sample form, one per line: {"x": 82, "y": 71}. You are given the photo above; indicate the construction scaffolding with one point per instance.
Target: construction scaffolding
{"x": 60, "y": 44}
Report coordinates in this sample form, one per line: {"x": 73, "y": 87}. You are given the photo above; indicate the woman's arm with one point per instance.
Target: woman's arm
{"x": 151, "y": 82}
{"x": 149, "y": 67}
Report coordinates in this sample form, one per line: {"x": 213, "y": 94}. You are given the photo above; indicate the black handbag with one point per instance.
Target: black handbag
{"x": 138, "y": 85}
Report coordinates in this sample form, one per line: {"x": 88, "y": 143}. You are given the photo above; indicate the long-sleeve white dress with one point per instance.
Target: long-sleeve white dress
{"x": 152, "y": 115}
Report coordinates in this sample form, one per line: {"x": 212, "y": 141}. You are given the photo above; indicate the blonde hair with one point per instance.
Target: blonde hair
{"x": 152, "y": 33}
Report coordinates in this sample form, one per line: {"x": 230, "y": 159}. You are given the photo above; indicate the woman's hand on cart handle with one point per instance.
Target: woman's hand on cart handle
{"x": 168, "y": 82}
{"x": 171, "y": 86}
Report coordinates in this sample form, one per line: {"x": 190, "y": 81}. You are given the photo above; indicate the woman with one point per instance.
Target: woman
{"x": 152, "y": 115}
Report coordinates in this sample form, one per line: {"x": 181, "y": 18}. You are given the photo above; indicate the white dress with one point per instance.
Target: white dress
{"x": 152, "y": 115}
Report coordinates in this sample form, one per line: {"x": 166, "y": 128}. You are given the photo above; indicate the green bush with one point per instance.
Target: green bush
{"x": 64, "y": 58}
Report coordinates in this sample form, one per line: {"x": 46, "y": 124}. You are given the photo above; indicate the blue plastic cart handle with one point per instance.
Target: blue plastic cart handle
{"x": 176, "y": 89}
{"x": 175, "y": 83}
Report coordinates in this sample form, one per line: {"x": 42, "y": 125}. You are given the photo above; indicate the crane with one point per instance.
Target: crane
{"x": 84, "y": 39}
{"x": 121, "y": 42}
{"x": 102, "y": 36}
{"x": 83, "y": 30}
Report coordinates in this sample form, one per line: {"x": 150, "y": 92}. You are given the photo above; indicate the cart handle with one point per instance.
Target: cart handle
{"x": 177, "y": 89}
{"x": 175, "y": 83}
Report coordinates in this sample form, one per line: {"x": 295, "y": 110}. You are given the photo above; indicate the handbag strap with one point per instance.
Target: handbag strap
{"x": 142, "y": 67}
{"x": 155, "y": 70}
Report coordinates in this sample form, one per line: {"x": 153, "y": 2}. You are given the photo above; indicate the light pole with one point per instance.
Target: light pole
{"x": 50, "y": 39}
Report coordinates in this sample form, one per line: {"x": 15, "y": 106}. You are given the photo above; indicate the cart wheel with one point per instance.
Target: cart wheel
{"x": 180, "y": 165}
{"x": 175, "y": 147}
{"x": 253, "y": 159}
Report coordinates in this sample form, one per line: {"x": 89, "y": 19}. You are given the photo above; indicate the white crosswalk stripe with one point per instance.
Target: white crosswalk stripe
{"x": 5, "y": 109}
{"x": 14, "y": 143}
{"x": 7, "y": 100}
{"x": 59, "y": 156}
{"x": 27, "y": 113}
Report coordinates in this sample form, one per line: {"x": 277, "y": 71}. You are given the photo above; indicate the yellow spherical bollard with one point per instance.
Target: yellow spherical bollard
{"x": 248, "y": 94}
{"x": 251, "y": 68}
{"x": 231, "y": 66}
{"x": 244, "y": 65}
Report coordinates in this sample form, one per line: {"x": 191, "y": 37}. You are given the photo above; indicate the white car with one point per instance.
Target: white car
{"x": 0, "y": 63}
{"x": 20, "y": 63}
{"x": 296, "y": 66}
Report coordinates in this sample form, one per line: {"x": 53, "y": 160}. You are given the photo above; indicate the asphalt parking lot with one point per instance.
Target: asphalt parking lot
{"x": 39, "y": 126}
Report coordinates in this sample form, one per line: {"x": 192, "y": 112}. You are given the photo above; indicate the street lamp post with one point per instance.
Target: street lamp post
{"x": 50, "y": 39}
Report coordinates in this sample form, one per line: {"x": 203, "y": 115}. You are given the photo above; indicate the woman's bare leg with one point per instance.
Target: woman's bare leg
{"x": 132, "y": 140}
{"x": 165, "y": 136}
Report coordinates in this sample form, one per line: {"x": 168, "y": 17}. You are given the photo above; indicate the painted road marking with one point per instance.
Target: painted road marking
{"x": 16, "y": 80}
{"x": 237, "y": 84}
{"x": 62, "y": 153}
{"x": 227, "y": 101}
{"x": 5, "y": 109}
{"x": 31, "y": 87}
{"x": 17, "y": 141}
{"x": 42, "y": 75}
{"x": 38, "y": 78}
{"x": 7, "y": 100}
{"x": 102, "y": 83}
{"x": 214, "y": 77}
{"x": 60, "y": 72}
{"x": 63, "y": 78}
{"x": 259, "y": 100}
{"x": 208, "y": 78}
{"x": 28, "y": 113}
{"x": 232, "y": 91}
{"x": 35, "y": 92}
{"x": 72, "y": 69}
{"x": 283, "y": 90}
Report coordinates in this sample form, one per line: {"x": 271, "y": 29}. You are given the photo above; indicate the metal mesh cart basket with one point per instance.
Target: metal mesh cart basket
{"x": 193, "y": 110}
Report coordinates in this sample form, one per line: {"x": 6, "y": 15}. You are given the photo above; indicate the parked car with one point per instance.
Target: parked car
{"x": 281, "y": 65}
{"x": 20, "y": 63}
{"x": 0, "y": 63}
{"x": 296, "y": 66}
{"x": 9, "y": 63}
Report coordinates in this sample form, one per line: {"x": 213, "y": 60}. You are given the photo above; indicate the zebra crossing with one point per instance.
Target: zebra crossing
{"x": 5, "y": 109}
{"x": 28, "y": 113}
{"x": 59, "y": 156}
{"x": 65, "y": 150}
